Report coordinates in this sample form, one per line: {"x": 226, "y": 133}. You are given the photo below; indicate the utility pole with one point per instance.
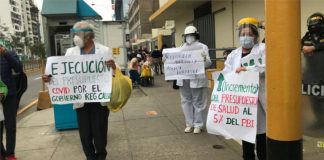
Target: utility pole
{"x": 283, "y": 80}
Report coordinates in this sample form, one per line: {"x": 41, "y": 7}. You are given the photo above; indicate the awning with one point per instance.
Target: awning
{"x": 84, "y": 10}
{"x": 171, "y": 9}
{"x": 59, "y": 7}
{"x": 78, "y": 8}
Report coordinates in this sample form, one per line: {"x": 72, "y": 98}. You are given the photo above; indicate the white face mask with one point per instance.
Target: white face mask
{"x": 190, "y": 39}
{"x": 78, "y": 41}
{"x": 247, "y": 42}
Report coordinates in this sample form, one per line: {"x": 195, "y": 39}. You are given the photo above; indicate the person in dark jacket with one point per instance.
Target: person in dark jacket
{"x": 313, "y": 57}
{"x": 157, "y": 60}
{"x": 9, "y": 61}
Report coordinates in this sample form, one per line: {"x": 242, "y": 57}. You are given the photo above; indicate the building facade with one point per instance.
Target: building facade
{"x": 11, "y": 16}
{"x": 138, "y": 18}
{"x": 216, "y": 20}
{"x": 30, "y": 18}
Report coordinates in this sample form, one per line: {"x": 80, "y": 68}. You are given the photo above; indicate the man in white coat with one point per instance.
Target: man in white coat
{"x": 194, "y": 92}
{"x": 92, "y": 117}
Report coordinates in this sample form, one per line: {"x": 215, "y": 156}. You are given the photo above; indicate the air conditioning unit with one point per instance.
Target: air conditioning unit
{"x": 169, "y": 24}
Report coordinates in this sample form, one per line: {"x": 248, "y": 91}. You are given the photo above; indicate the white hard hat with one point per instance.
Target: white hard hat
{"x": 190, "y": 30}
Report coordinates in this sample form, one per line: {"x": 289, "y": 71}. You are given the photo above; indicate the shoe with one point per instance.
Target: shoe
{"x": 197, "y": 131}
{"x": 11, "y": 157}
{"x": 188, "y": 129}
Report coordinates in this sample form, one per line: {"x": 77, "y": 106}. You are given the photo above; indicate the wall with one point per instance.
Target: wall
{"x": 180, "y": 25}
{"x": 224, "y": 30}
{"x": 113, "y": 37}
{"x": 251, "y": 8}
{"x": 162, "y": 2}
{"x": 308, "y": 7}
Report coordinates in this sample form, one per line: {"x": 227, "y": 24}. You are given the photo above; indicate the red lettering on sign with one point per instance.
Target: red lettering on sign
{"x": 247, "y": 123}
{"x": 63, "y": 90}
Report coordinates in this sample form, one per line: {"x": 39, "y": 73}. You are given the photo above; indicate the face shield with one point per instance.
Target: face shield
{"x": 248, "y": 35}
{"x": 80, "y": 36}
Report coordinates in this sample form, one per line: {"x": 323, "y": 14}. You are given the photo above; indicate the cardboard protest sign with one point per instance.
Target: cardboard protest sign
{"x": 233, "y": 109}
{"x": 183, "y": 64}
{"x": 75, "y": 79}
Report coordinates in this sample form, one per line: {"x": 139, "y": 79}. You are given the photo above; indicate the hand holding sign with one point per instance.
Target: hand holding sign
{"x": 111, "y": 63}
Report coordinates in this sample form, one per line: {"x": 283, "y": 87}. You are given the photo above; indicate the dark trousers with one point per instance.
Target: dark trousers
{"x": 248, "y": 148}
{"x": 93, "y": 127}
{"x": 10, "y": 113}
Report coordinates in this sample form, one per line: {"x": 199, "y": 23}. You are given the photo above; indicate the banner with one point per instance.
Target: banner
{"x": 183, "y": 64}
{"x": 75, "y": 79}
{"x": 233, "y": 109}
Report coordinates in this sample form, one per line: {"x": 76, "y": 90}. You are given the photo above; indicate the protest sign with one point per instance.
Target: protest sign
{"x": 233, "y": 109}
{"x": 183, "y": 64}
{"x": 79, "y": 79}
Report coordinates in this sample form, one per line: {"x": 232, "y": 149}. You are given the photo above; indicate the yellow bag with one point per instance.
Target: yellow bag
{"x": 121, "y": 91}
{"x": 146, "y": 71}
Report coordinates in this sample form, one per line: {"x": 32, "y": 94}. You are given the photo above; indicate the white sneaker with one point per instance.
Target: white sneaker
{"x": 188, "y": 129}
{"x": 197, "y": 131}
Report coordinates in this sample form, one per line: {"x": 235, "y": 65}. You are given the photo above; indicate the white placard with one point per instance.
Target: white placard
{"x": 183, "y": 64}
{"x": 233, "y": 109}
{"x": 79, "y": 79}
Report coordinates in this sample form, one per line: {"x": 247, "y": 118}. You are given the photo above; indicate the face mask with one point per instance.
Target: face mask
{"x": 78, "y": 41}
{"x": 247, "y": 42}
{"x": 190, "y": 39}
{"x": 315, "y": 29}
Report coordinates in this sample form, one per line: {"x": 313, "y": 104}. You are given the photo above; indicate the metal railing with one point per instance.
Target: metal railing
{"x": 32, "y": 65}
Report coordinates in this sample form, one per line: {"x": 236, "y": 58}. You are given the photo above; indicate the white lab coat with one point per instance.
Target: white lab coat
{"x": 99, "y": 49}
{"x": 194, "y": 92}
{"x": 233, "y": 62}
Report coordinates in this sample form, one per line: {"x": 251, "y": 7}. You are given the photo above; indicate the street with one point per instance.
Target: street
{"x": 31, "y": 94}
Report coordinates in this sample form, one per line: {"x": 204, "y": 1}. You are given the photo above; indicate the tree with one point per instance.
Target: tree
{"x": 16, "y": 41}
{"x": 38, "y": 49}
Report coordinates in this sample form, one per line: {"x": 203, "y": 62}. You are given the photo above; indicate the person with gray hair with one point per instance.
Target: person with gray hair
{"x": 92, "y": 117}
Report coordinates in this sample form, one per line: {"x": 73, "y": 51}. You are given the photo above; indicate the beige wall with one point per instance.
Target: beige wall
{"x": 226, "y": 21}
{"x": 180, "y": 25}
{"x": 251, "y": 8}
{"x": 162, "y": 2}
{"x": 308, "y": 7}
{"x": 223, "y": 25}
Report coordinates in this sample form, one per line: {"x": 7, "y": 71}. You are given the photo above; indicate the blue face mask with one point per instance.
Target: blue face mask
{"x": 247, "y": 41}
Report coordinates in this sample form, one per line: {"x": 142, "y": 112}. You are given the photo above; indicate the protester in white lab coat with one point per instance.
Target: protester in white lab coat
{"x": 92, "y": 117}
{"x": 250, "y": 46}
{"x": 194, "y": 92}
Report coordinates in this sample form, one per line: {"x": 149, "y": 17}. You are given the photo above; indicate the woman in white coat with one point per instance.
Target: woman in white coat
{"x": 194, "y": 92}
{"x": 250, "y": 46}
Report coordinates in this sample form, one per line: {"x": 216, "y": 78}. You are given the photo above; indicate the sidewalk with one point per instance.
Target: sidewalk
{"x": 150, "y": 127}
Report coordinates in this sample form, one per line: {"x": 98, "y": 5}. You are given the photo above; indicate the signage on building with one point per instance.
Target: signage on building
{"x": 116, "y": 51}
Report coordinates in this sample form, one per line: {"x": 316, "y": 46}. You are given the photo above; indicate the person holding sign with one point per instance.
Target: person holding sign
{"x": 194, "y": 92}
{"x": 250, "y": 56}
{"x": 92, "y": 117}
